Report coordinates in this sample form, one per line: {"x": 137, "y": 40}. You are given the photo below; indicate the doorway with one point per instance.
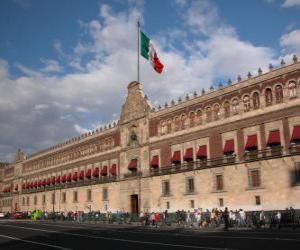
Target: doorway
{"x": 134, "y": 203}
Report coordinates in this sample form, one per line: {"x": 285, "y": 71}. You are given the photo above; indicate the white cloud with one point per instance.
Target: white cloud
{"x": 291, "y": 42}
{"x": 290, "y": 3}
{"x": 80, "y": 129}
{"x": 51, "y": 66}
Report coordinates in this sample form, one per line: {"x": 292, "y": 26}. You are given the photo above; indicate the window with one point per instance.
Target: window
{"x": 35, "y": 200}
{"x": 183, "y": 122}
{"x": 216, "y": 112}
{"x": 219, "y": 182}
{"x": 104, "y": 194}
{"x": 208, "y": 114}
{"x": 235, "y": 106}
{"x": 190, "y": 186}
{"x": 278, "y": 93}
{"x": 256, "y": 102}
{"x": 257, "y": 200}
{"x": 53, "y": 199}
{"x": 246, "y": 102}
{"x": 44, "y": 199}
{"x": 268, "y": 96}
{"x": 292, "y": 89}
{"x": 199, "y": 117}
{"x": 221, "y": 202}
{"x": 23, "y": 201}
{"x": 163, "y": 128}
{"x": 166, "y": 188}
{"x": 88, "y": 195}
{"x": 226, "y": 109}
{"x": 167, "y": 205}
{"x": 28, "y": 201}
{"x": 177, "y": 123}
{"x": 63, "y": 197}
{"x": 192, "y": 204}
{"x": 169, "y": 126}
{"x": 192, "y": 119}
{"x": 254, "y": 178}
{"x": 75, "y": 196}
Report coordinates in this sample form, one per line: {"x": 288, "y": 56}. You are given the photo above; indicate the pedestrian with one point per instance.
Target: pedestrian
{"x": 226, "y": 218}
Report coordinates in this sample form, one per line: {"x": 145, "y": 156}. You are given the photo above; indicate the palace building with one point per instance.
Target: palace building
{"x": 237, "y": 146}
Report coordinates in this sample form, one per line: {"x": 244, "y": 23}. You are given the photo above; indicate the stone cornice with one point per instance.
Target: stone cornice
{"x": 228, "y": 90}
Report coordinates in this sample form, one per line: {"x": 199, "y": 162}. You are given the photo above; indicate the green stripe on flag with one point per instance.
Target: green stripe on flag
{"x": 144, "y": 46}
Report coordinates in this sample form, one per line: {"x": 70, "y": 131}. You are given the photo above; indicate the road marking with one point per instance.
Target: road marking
{"x": 205, "y": 234}
{"x": 34, "y": 242}
{"x": 123, "y": 240}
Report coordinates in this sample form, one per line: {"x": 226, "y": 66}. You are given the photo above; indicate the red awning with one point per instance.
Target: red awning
{"x": 35, "y": 184}
{"x": 32, "y": 184}
{"x": 251, "y": 142}
{"x": 81, "y": 175}
{"x": 154, "y": 161}
{"x": 133, "y": 164}
{"x": 228, "y": 147}
{"x": 96, "y": 172}
{"x": 188, "y": 155}
{"x": 16, "y": 187}
{"x": 88, "y": 173}
{"x": 274, "y": 138}
{"x": 202, "y": 152}
{"x": 176, "y": 157}
{"x": 27, "y": 185}
{"x": 104, "y": 171}
{"x": 53, "y": 180}
{"x": 69, "y": 177}
{"x": 113, "y": 169}
{"x": 44, "y": 182}
{"x": 57, "y": 179}
{"x": 23, "y": 186}
{"x": 39, "y": 183}
{"x": 48, "y": 182}
{"x": 64, "y": 178}
{"x": 75, "y": 176}
{"x": 296, "y": 134}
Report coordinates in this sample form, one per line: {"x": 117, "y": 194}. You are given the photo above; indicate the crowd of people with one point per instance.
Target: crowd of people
{"x": 198, "y": 218}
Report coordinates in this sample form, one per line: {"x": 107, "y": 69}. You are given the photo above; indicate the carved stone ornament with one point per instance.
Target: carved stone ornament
{"x": 136, "y": 105}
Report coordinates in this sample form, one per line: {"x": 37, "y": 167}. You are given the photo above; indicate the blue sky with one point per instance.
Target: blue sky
{"x": 63, "y": 61}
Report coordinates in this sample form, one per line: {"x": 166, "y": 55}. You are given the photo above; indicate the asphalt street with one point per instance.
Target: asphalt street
{"x": 16, "y": 235}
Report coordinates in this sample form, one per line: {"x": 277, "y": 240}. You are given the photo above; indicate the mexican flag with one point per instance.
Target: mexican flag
{"x": 148, "y": 52}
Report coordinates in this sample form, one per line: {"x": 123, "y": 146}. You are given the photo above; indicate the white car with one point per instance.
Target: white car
{"x": 2, "y": 215}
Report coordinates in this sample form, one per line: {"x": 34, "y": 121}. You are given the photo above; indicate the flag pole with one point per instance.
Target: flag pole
{"x": 138, "y": 51}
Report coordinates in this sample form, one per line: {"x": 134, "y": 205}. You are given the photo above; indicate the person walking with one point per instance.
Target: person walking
{"x": 226, "y": 218}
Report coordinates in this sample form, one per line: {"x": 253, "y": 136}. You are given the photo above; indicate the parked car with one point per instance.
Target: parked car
{"x": 17, "y": 215}
{"x": 2, "y": 215}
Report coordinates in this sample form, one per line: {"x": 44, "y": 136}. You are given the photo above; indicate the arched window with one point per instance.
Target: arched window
{"x": 247, "y": 104}
{"x": 268, "y": 96}
{"x": 216, "y": 112}
{"x": 208, "y": 114}
{"x": 199, "y": 117}
{"x": 292, "y": 89}
{"x": 183, "y": 121}
{"x": 255, "y": 99}
{"x": 235, "y": 106}
{"x": 169, "y": 126}
{"x": 226, "y": 109}
{"x": 192, "y": 119}
{"x": 163, "y": 128}
{"x": 177, "y": 123}
{"x": 278, "y": 93}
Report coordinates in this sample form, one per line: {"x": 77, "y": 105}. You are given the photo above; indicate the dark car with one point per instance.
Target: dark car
{"x": 17, "y": 215}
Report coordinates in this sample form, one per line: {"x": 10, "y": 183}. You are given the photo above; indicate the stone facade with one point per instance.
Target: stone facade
{"x": 237, "y": 146}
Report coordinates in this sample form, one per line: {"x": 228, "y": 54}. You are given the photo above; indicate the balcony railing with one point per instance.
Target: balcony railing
{"x": 269, "y": 153}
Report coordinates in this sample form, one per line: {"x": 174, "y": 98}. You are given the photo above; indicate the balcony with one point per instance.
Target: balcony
{"x": 268, "y": 153}
{"x": 133, "y": 174}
